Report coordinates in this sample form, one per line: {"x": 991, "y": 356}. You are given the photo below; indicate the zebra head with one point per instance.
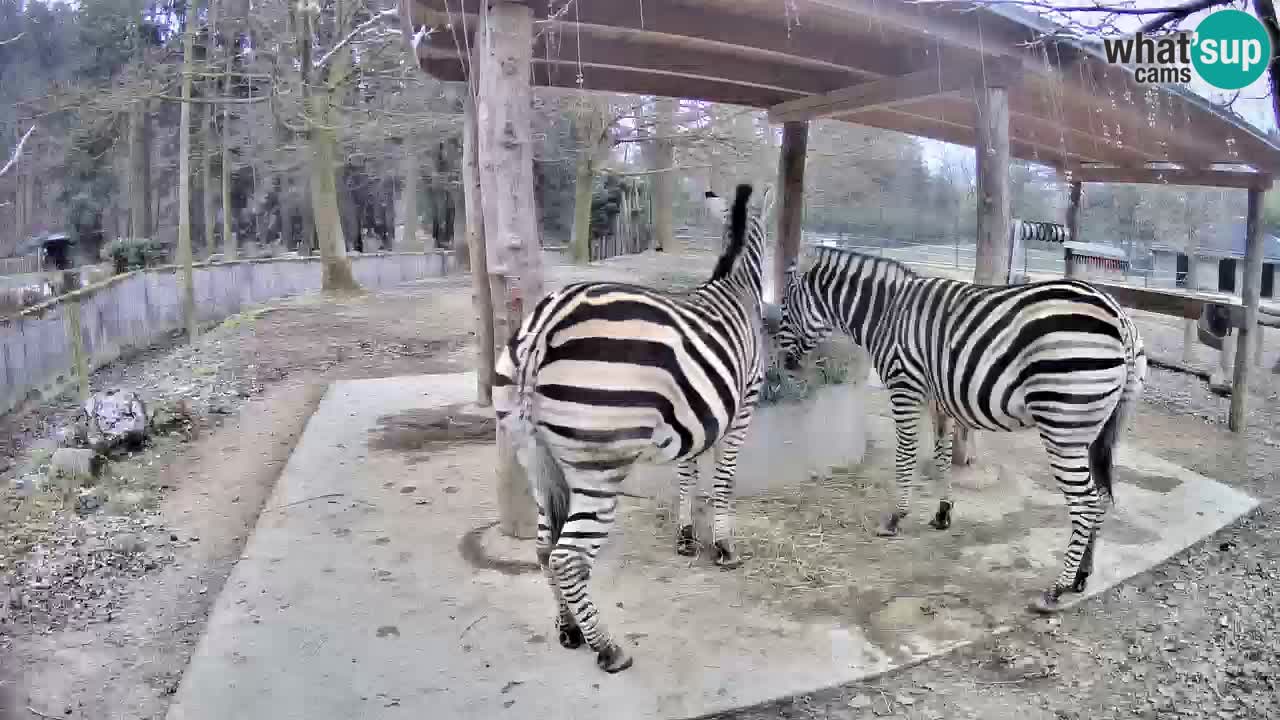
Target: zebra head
{"x": 803, "y": 324}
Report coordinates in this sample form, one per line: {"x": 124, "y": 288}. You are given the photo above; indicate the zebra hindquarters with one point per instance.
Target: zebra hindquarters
{"x": 1069, "y": 432}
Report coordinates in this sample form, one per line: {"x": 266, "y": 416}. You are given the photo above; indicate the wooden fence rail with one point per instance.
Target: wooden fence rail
{"x": 20, "y": 265}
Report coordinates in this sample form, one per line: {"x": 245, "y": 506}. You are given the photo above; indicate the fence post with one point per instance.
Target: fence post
{"x": 79, "y": 359}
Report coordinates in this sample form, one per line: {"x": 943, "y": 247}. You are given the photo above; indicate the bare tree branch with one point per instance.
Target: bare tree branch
{"x": 17, "y": 152}
{"x": 367, "y": 24}
{"x": 215, "y": 101}
{"x": 1180, "y": 13}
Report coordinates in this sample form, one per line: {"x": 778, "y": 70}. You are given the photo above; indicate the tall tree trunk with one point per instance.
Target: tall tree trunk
{"x": 209, "y": 132}
{"x": 231, "y": 44}
{"x": 307, "y": 240}
{"x": 139, "y": 170}
{"x": 664, "y": 182}
{"x": 408, "y": 240}
{"x": 581, "y": 243}
{"x": 587, "y": 129}
{"x": 322, "y": 139}
{"x": 207, "y": 192}
{"x": 184, "y": 183}
{"x": 459, "y": 240}
{"x": 285, "y": 207}
{"x": 22, "y": 192}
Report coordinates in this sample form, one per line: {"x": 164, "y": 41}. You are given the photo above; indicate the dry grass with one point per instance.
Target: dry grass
{"x": 806, "y": 544}
{"x": 798, "y": 539}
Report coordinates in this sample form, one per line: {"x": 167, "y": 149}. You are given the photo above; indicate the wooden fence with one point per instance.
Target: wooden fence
{"x": 52, "y": 346}
{"x": 632, "y": 230}
{"x": 20, "y": 265}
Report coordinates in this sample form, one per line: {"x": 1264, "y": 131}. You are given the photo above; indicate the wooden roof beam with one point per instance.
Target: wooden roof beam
{"x": 958, "y": 133}
{"x": 1172, "y": 176}
{"x": 609, "y": 48}
{"x": 628, "y": 81}
{"x": 682, "y": 23}
{"x": 1181, "y": 144}
{"x": 898, "y": 90}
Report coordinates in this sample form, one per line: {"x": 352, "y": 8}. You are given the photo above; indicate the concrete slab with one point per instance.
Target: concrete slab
{"x": 375, "y": 587}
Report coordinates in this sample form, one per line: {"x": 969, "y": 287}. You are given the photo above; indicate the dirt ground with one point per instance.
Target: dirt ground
{"x": 1195, "y": 637}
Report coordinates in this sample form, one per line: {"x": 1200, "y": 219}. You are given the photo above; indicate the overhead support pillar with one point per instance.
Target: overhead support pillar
{"x": 791, "y": 160}
{"x": 514, "y": 254}
{"x": 1251, "y": 295}
{"x": 992, "y": 263}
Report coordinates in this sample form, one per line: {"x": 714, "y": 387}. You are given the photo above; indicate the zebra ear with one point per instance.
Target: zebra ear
{"x": 766, "y": 200}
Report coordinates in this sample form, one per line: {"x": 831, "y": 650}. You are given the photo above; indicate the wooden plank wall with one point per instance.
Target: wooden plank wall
{"x": 135, "y": 310}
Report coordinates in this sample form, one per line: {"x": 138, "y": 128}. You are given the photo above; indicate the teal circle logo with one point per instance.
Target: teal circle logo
{"x": 1232, "y": 49}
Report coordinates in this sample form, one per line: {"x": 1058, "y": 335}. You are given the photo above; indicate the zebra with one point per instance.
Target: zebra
{"x": 603, "y": 375}
{"x": 1059, "y": 355}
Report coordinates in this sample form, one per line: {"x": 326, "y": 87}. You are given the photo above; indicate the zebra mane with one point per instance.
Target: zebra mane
{"x": 874, "y": 259}
{"x": 737, "y": 234}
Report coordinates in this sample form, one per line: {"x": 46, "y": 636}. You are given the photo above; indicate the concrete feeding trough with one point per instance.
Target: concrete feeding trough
{"x": 797, "y": 432}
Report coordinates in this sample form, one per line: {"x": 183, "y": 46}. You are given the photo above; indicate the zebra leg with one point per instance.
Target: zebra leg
{"x": 1081, "y": 580}
{"x": 1070, "y": 463}
{"x": 566, "y": 626}
{"x": 942, "y": 446}
{"x": 722, "y": 491}
{"x": 687, "y": 474}
{"x": 906, "y": 422}
{"x": 591, "y": 512}
{"x": 1086, "y": 561}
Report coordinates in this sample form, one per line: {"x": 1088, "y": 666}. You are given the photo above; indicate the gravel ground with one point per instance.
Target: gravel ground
{"x": 1195, "y": 637}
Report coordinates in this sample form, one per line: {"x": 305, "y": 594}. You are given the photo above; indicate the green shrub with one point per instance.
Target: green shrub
{"x": 136, "y": 253}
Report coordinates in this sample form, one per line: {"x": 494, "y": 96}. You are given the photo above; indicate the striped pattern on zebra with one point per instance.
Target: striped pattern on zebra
{"x": 1060, "y": 356}
{"x": 603, "y": 375}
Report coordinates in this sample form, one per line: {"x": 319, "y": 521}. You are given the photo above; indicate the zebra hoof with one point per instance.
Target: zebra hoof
{"x": 1048, "y": 603}
{"x": 889, "y": 524}
{"x": 613, "y": 659}
{"x": 726, "y": 557}
{"x": 1082, "y": 581}
{"x": 571, "y": 638}
{"x": 685, "y": 544}
{"x": 942, "y": 519}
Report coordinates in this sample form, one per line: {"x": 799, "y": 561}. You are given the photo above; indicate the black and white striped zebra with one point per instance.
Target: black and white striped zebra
{"x": 603, "y": 375}
{"x": 1060, "y": 356}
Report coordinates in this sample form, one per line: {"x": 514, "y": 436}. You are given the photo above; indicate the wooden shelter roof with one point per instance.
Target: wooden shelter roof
{"x": 896, "y": 64}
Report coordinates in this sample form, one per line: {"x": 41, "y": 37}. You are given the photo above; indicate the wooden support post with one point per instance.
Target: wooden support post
{"x": 992, "y": 262}
{"x": 795, "y": 143}
{"x": 514, "y": 255}
{"x": 1190, "y": 338}
{"x": 78, "y": 355}
{"x": 1250, "y": 293}
{"x": 481, "y": 299}
{"x": 1073, "y": 225}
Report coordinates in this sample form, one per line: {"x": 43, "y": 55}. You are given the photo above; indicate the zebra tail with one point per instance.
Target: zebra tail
{"x": 1102, "y": 450}
{"x": 513, "y": 401}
